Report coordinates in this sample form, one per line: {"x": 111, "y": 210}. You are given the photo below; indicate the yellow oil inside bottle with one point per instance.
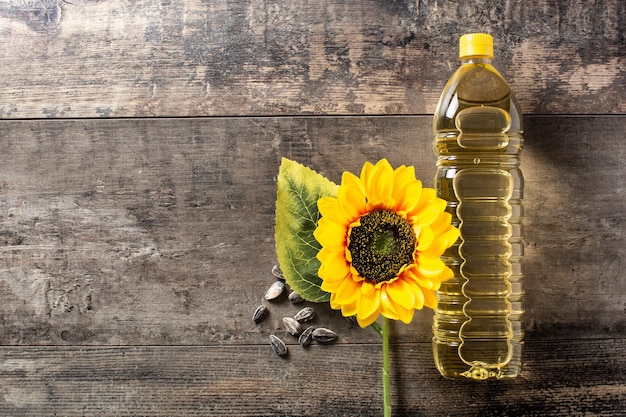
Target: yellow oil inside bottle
{"x": 477, "y": 329}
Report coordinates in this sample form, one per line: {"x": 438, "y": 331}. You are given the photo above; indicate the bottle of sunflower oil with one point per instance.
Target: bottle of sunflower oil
{"x": 477, "y": 329}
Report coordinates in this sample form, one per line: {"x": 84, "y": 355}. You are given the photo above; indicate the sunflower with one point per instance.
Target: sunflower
{"x": 381, "y": 240}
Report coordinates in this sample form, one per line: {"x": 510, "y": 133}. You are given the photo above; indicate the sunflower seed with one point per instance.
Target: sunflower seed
{"x": 306, "y": 337}
{"x": 295, "y": 298}
{"x": 278, "y": 345}
{"x": 276, "y": 271}
{"x": 275, "y": 290}
{"x": 306, "y": 314}
{"x": 259, "y": 314}
{"x": 352, "y": 320}
{"x": 292, "y": 326}
{"x": 323, "y": 335}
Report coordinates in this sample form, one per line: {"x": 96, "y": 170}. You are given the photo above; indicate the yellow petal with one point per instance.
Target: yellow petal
{"x": 452, "y": 235}
{"x": 392, "y": 310}
{"x": 365, "y": 321}
{"x": 442, "y": 223}
{"x": 368, "y": 304}
{"x": 331, "y": 235}
{"x": 438, "y": 246}
{"x": 349, "y": 258}
{"x": 381, "y": 184}
{"x": 409, "y": 197}
{"x": 429, "y": 266}
{"x": 430, "y": 283}
{"x": 419, "y": 297}
{"x": 401, "y": 293}
{"x": 366, "y": 172}
{"x": 355, "y": 274}
{"x": 430, "y": 299}
{"x": 387, "y": 307}
{"x": 351, "y": 202}
{"x": 444, "y": 230}
{"x": 334, "y": 264}
{"x": 402, "y": 177}
{"x": 333, "y": 302}
{"x": 445, "y": 275}
{"x": 406, "y": 316}
{"x": 331, "y": 285}
{"x": 348, "y": 291}
{"x": 329, "y": 209}
{"x": 429, "y": 207}
{"x": 349, "y": 310}
{"x": 425, "y": 238}
{"x": 428, "y": 196}
{"x": 348, "y": 179}
{"x": 428, "y": 213}
{"x": 421, "y": 281}
{"x": 443, "y": 242}
{"x": 367, "y": 289}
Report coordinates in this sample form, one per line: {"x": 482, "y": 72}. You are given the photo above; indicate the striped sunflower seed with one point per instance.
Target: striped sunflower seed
{"x": 259, "y": 314}
{"x": 306, "y": 314}
{"x": 278, "y": 345}
{"x": 275, "y": 290}
{"x": 278, "y": 273}
{"x": 295, "y": 298}
{"x": 306, "y": 337}
{"x": 323, "y": 335}
{"x": 292, "y": 326}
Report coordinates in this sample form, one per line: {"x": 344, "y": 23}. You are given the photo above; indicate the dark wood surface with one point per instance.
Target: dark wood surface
{"x": 136, "y": 233}
{"x": 123, "y": 58}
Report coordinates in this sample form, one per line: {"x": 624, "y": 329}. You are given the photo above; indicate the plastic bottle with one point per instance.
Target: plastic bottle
{"x": 478, "y": 329}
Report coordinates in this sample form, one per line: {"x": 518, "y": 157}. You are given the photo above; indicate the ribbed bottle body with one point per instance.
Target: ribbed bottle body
{"x": 477, "y": 329}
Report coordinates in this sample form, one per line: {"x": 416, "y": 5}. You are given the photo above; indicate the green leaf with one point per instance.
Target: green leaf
{"x": 299, "y": 188}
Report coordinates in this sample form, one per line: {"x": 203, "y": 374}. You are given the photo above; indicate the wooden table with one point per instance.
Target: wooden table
{"x": 139, "y": 146}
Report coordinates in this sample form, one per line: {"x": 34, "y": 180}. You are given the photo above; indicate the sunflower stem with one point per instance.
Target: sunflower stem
{"x": 377, "y": 327}
{"x": 386, "y": 390}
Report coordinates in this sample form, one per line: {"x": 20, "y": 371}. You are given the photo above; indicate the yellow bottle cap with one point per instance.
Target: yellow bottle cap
{"x": 476, "y": 44}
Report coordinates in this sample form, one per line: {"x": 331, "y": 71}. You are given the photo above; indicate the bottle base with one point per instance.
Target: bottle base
{"x": 451, "y": 366}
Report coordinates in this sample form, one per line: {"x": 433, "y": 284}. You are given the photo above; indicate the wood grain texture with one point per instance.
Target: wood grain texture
{"x": 141, "y": 232}
{"x": 123, "y": 58}
{"x": 567, "y": 378}
{"x": 136, "y": 240}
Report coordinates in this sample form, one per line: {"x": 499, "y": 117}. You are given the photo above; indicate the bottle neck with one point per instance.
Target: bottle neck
{"x": 476, "y": 60}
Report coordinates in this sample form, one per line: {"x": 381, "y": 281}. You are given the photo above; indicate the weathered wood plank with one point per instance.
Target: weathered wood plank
{"x": 141, "y": 232}
{"x": 575, "y": 207}
{"x": 125, "y": 58}
{"x": 563, "y": 378}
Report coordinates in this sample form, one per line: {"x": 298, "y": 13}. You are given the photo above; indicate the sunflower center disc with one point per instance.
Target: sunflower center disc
{"x": 382, "y": 244}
